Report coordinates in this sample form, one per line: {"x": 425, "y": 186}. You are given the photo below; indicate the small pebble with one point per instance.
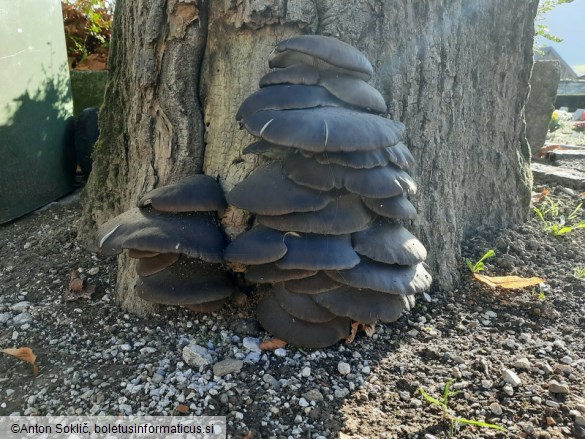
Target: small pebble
{"x": 343, "y": 368}
{"x": 511, "y": 377}
{"x": 555, "y": 387}
{"x": 496, "y": 409}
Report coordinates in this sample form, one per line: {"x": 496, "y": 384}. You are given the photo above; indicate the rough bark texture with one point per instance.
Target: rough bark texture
{"x": 454, "y": 71}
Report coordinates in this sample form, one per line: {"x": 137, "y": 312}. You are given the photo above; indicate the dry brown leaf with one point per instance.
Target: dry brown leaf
{"x": 85, "y": 293}
{"x": 272, "y": 344}
{"x": 182, "y": 408}
{"x": 508, "y": 282}
{"x": 250, "y": 435}
{"x": 24, "y": 354}
{"x": 542, "y": 152}
{"x": 537, "y": 198}
{"x": 354, "y": 329}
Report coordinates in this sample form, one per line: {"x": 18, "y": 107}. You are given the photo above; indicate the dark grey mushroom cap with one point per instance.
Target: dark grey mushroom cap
{"x": 323, "y": 129}
{"x": 322, "y": 52}
{"x": 398, "y": 207}
{"x": 400, "y": 155}
{"x": 195, "y": 234}
{"x": 352, "y": 159}
{"x": 268, "y": 191}
{"x": 138, "y": 254}
{"x": 318, "y": 252}
{"x": 270, "y": 273}
{"x": 390, "y": 243}
{"x": 286, "y": 97}
{"x": 353, "y": 91}
{"x": 300, "y": 306}
{"x": 391, "y": 279}
{"x": 346, "y": 214}
{"x": 149, "y": 266}
{"x": 364, "y": 306}
{"x": 380, "y": 182}
{"x": 298, "y": 332}
{"x": 259, "y": 245}
{"x": 270, "y": 150}
{"x": 186, "y": 282}
{"x": 216, "y": 305}
{"x": 199, "y": 193}
{"x": 295, "y": 74}
{"x": 318, "y": 283}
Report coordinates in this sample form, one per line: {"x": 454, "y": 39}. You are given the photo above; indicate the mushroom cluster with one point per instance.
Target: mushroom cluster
{"x": 327, "y": 236}
{"x": 175, "y": 235}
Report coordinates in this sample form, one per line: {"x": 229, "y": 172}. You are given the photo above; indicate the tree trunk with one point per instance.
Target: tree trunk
{"x": 454, "y": 71}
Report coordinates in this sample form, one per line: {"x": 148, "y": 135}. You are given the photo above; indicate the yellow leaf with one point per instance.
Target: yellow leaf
{"x": 24, "y": 354}
{"x": 508, "y": 282}
{"x": 272, "y": 344}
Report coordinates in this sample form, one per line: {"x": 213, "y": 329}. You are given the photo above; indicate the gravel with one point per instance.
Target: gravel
{"x": 517, "y": 357}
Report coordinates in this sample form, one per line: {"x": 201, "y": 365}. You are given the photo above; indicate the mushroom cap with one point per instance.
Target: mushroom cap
{"x": 400, "y": 155}
{"x": 270, "y": 273}
{"x": 345, "y": 214}
{"x": 194, "y": 234}
{"x": 354, "y": 91}
{"x": 391, "y": 279}
{"x": 149, "y": 266}
{"x": 186, "y": 282}
{"x": 270, "y": 150}
{"x": 300, "y": 306}
{"x": 398, "y": 207}
{"x": 137, "y": 254}
{"x": 286, "y": 97}
{"x": 380, "y": 182}
{"x": 321, "y": 129}
{"x": 353, "y": 159}
{"x": 390, "y": 243}
{"x": 364, "y": 306}
{"x": 216, "y": 305}
{"x": 268, "y": 191}
{"x": 298, "y": 332}
{"x": 199, "y": 193}
{"x": 322, "y": 52}
{"x": 318, "y": 252}
{"x": 294, "y": 74}
{"x": 318, "y": 283}
{"x": 259, "y": 245}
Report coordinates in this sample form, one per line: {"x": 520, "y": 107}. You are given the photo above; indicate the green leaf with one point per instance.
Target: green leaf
{"x": 469, "y": 264}
{"x": 478, "y": 423}
{"x": 478, "y": 267}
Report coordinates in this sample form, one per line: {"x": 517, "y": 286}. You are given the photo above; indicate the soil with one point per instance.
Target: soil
{"x": 94, "y": 358}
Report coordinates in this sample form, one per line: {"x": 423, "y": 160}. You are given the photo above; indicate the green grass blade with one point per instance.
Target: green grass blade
{"x": 430, "y": 399}
{"x": 478, "y": 423}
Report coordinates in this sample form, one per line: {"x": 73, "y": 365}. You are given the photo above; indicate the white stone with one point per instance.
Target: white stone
{"x": 195, "y": 355}
{"x": 343, "y": 368}
{"x": 252, "y": 344}
{"x": 523, "y": 363}
{"x": 303, "y": 402}
{"x": 280, "y": 352}
{"x": 511, "y": 377}
{"x": 496, "y": 409}
{"x": 306, "y": 372}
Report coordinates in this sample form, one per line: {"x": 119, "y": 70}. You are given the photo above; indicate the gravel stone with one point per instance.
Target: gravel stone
{"x": 195, "y": 355}
{"x": 22, "y": 318}
{"x": 343, "y": 368}
{"x": 227, "y": 366}
{"x": 556, "y": 387}
{"x": 5, "y": 317}
{"x": 313, "y": 395}
{"x": 523, "y": 363}
{"x": 252, "y": 344}
{"x": 496, "y": 409}
{"x": 280, "y": 352}
{"x": 511, "y": 377}
{"x": 20, "y": 306}
{"x": 306, "y": 372}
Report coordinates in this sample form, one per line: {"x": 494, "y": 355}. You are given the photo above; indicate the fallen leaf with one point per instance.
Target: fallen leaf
{"x": 182, "y": 408}
{"x": 508, "y": 282}
{"x": 24, "y": 354}
{"x": 537, "y": 198}
{"x": 354, "y": 329}
{"x": 85, "y": 293}
{"x": 272, "y": 344}
{"x": 250, "y": 435}
{"x": 542, "y": 152}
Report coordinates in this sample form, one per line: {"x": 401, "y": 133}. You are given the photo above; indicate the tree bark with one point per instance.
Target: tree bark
{"x": 455, "y": 72}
